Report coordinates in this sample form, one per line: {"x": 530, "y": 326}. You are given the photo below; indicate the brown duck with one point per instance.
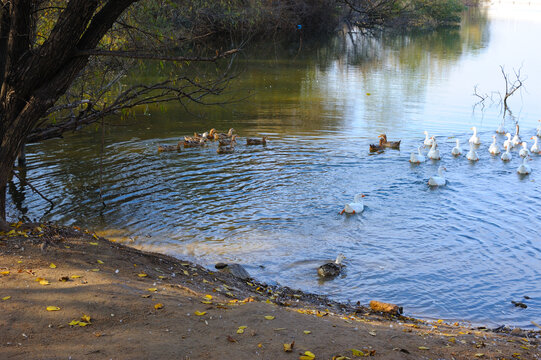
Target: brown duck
{"x": 228, "y": 149}
{"x": 379, "y": 147}
{"x": 253, "y": 141}
{"x": 192, "y": 143}
{"x": 218, "y": 136}
{"x": 228, "y": 141}
{"x": 168, "y": 148}
{"x": 389, "y": 144}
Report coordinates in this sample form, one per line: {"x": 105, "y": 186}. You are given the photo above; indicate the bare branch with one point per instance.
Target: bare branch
{"x": 146, "y": 56}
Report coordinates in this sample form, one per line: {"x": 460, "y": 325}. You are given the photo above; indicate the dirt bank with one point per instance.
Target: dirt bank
{"x": 126, "y": 304}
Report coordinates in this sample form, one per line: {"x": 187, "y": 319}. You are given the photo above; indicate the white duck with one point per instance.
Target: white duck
{"x": 516, "y": 139}
{"x": 472, "y": 154}
{"x": 434, "y": 153}
{"x": 438, "y": 180}
{"x": 417, "y": 158}
{"x": 428, "y": 140}
{"x": 507, "y": 143}
{"x": 524, "y": 168}
{"x": 357, "y": 206}
{"x": 494, "y": 149}
{"x": 524, "y": 151}
{"x": 474, "y": 138}
{"x": 506, "y": 156}
{"x": 535, "y": 146}
{"x": 456, "y": 150}
{"x": 501, "y": 128}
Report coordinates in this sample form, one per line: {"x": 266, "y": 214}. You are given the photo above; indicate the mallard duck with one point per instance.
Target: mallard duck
{"x": 516, "y": 139}
{"x": 438, "y": 180}
{"x": 229, "y": 149}
{"x": 472, "y": 154}
{"x": 494, "y": 149}
{"x": 331, "y": 269}
{"x": 389, "y": 144}
{"x": 228, "y": 141}
{"x": 524, "y": 151}
{"x": 253, "y": 141}
{"x": 457, "y": 150}
{"x": 508, "y": 143}
{"x": 474, "y": 139}
{"x": 218, "y": 136}
{"x": 434, "y": 153}
{"x": 193, "y": 143}
{"x": 168, "y": 148}
{"x": 524, "y": 168}
{"x": 357, "y": 206}
{"x": 535, "y": 146}
{"x": 417, "y": 158}
{"x": 506, "y": 156}
{"x": 379, "y": 147}
{"x": 428, "y": 140}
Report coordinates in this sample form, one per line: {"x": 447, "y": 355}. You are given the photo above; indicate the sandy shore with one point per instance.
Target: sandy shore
{"x": 67, "y": 293}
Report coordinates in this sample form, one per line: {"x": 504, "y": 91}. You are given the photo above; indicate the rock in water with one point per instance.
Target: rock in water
{"x": 236, "y": 270}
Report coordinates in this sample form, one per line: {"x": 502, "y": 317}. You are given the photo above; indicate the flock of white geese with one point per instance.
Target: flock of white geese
{"x": 474, "y": 142}
{"x": 357, "y": 206}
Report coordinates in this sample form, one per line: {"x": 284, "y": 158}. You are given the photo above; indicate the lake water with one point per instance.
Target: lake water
{"x": 461, "y": 252}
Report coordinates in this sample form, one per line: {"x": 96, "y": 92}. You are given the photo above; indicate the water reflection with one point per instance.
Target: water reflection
{"x": 460, "y": 252}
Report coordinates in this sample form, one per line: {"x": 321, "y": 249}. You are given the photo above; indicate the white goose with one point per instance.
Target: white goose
{"x": 501, "y": 128}
{"x": 507, "y": 143}
{"x": 516, "y": 139}
{"x": 357, "y": 206}
{"x": 456, "y": 150}
{"x": 417, "y": 158}
{"x": 438, "y": 180}
{"x": 506, "y": 156}
{"x": 428, "y": 140}
{"x": 494, "y": 149}
{"x": 474, "y": 138}
{"x": 524, "y": 151}
{"x": 524, "y": 168}
{"x": 535, "y": 146}
{"x": 472, "y": 154}
{"x": 434, "y": 153}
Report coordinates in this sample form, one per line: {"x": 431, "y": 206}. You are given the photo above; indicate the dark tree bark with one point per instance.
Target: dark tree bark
{"x": 33, "y": 78}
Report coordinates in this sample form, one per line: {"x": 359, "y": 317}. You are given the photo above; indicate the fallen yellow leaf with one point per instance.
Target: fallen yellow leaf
{"x": 94, "y": 243}
{"x": 208, "y": 297}
{"x": 53, "y": 308}
{"x": 95, "y": 270}
{"x": 99, "y": 261}
{"x": 307, "y": 332}
{"x": 82, "y": 323}
{"x": 206, "y": 302}
{"x": 19, "y": 261}
{"x": 142, "y": 275}
{"x": 161, "y": 277}
{"x": 85, "y": 318}
{"x": 243, "y": 327}
{"x": 6, "y": 298}
{"x": 74, "y": 322}
{"x": 186, "y": 272}
{"x": 152, "y": 289}
{"x": 479, "y": 355}
{"x": 75, "y": 276}
{"x": 44, "y": 282}
{"x": 158, "y": 306}
{"x": 240, "y": 331}
{"x": 200, "y": 313}
{"x": 440, "y": 321}
{"x": 424, "y": 348}
{"x": 269, "y": 317}
{"x": 308, "y": 355}
{"x": 52, "y": 266}
{"x": 356, "y": 352}
{"x": 289, "y": 347}
{"x": 5, "y": 272}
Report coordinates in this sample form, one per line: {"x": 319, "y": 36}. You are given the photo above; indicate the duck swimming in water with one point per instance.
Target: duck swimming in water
{"x": 524, "y": 151}
{"x": 357, "y": 206}
{"x": 535, "y": 146}
{"x": 524, "y": 168}
{"x": 472, "y": 154}
{"x": 474, "y": 139}
{"x": 434, "y": 153}
{"x": 438, "y": 180}
{"x": 428, "y": 140}
{"x": 456, "y": 150}
{"x": 253, "y": 141}
{"x": 168, "y": 148}
{"x": 501, "y": 128}
{"x": 379, "y": 147}
{"x": 389, "y": 144}
{"x": 331, "y": 269}
{"x": 508, "y": 143}
{"x": 417, "y": 158}
{"x": 494, "y": 149}
{"x": 228, "y": 141}
{"x": 223, "y": 136}
{"x": 506, "y": 156}
{"x": 516, "y": 139}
